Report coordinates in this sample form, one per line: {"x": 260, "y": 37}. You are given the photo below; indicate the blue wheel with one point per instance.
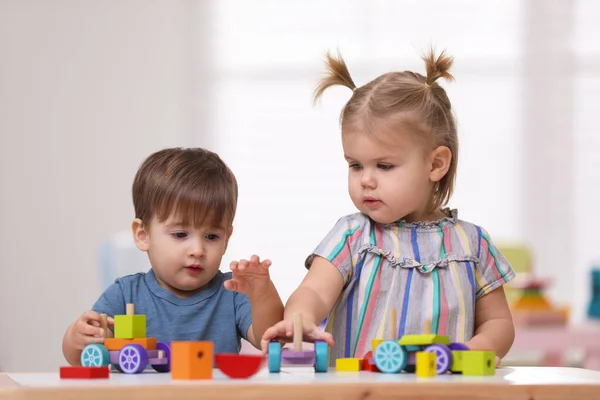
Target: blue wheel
{"x": 133, "y": 359}
{"x": 321, "y": 356}
{"x": 274, "y": 357}
{"x": 443, "y": 357}
{"x": 390, "y": 357}
{"x": 95, "y": 355}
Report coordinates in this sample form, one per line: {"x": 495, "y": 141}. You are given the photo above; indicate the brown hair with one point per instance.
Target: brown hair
{"x": 403, "y": 94}
{"x": 194, "y": 184}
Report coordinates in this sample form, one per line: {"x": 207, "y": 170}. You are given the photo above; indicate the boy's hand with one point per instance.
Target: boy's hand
{"x": 283, "y": 331}
{"x": 249, "y": 277}
{"x": 87, "y": 329}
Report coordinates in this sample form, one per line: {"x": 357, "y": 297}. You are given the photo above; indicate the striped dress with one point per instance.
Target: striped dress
{"x": 433, "y": 271}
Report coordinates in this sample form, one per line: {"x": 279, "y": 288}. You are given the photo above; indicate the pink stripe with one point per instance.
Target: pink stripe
{"x": 442, "y": 326}
{"x": 346, "y": 250}
{"x": 491, "y": 259}
{"x": 362, "y": 340}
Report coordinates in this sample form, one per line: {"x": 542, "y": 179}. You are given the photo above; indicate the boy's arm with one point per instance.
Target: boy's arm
{"x": 87, "y": 330}
{"x": 267, "y": 310}
{"x": 494, "y": 328}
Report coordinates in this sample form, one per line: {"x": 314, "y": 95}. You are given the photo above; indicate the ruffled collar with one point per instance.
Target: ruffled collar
{"x": 450, "y": 218}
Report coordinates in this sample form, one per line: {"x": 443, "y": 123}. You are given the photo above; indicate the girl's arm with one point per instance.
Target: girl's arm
{"x": 494, "y": 328}
{"x": 314, "y": 299}
{"x": 317, "y": 294}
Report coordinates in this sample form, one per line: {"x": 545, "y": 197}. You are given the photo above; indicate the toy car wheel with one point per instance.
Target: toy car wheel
{"x": 166, "y": 348}
{"x": 274, "y": 357}
{"x": 133, "y": 359}
{"x": 390, "y": 357}
{"x": 321, "y": 356}
{"x": 95, "y": 355}
{"x": 443, "y": 356}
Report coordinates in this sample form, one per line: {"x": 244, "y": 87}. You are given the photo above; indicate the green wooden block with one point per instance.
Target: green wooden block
{"x": 130, "y": 326}
{"x": 457, "y": 360}
{"x": 478, "y": 363}
{"x": 423, "y": 340}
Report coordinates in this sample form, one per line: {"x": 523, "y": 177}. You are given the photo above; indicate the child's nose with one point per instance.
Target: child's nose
{"x": 197, "y": 250}
{"x": 367, "y": 179}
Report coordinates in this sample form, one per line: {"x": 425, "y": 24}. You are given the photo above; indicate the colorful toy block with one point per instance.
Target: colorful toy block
{"x": 457, "y": 360}
{"x": 130, "y": 326}
{"x": 77, "y": 372}
{"x": 426, "y": 364}
{"x": 349, "y": 364}
{"x": 192, "y": 360}
{"x": 423, "y": 340}
{"x": 318, "y": 357}
{"x": 239, "y": 365}
{"x": 369, "y": 363}
{"x": 113, "y": 344}
{"x": 478, "y": 363}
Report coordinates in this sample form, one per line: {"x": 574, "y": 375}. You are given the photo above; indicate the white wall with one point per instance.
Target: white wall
{"x": 87, "y": 90}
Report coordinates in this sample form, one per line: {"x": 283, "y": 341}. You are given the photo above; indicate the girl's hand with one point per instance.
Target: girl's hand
{"x": 283, "y": 332}
{"x": 249, "y": 277}
{"x": 87, "y": 329}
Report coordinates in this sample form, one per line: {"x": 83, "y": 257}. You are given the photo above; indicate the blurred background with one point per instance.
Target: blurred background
{"x": 89, "y": 89}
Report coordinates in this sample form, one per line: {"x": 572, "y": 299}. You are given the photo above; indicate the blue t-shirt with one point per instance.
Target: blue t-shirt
{"x": 214, "y": 314}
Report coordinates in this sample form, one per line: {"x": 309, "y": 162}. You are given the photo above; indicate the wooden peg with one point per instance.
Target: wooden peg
{"x": 392, "y": 324}
{"x": 298, "y": 332}
{"x": 427, "y": 327}
{"x": 130, "y": 309}
{"x": 104, "y": 324}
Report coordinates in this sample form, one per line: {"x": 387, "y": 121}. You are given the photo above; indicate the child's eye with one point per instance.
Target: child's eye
{"x": 212, "y": 236}
{"x": 355, "y": 166}
{"x": 384, "y": 167}
{"x": 180, "y": 235}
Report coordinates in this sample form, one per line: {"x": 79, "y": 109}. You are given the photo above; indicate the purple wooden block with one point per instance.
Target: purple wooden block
{"x": 114, "y": 357}
{"x": 158, "y": 361}
{"x": 291, "y": 357}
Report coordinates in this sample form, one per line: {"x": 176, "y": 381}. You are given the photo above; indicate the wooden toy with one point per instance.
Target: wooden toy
{"x": 426, "y": 364}
{"x": 130, "y": 356}
{"x": 319, "y": 357}
{"x": 395, "y": 355}
{"x": 130, "y": 326}
{"x": 369, "y": 363}
{"x": 77, "y": 372}
{"x": 239, "y": 365}
{"x": 192, "y": 360}
{"x": 531, "y": 307}
{"x": 349, "y": 364}
{"x": 478, "y": 363}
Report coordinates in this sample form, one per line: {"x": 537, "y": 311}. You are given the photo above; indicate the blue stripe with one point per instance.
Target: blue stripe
{"x": 415, "y": 246}
{"x": 349, "y": 308}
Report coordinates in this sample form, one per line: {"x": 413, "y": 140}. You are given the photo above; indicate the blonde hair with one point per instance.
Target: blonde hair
{"x": 403, "y": 94}
{"x": 189, "y": 183}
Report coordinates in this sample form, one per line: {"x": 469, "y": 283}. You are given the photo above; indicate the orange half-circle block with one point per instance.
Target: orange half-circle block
{"x": 113, "y": 344}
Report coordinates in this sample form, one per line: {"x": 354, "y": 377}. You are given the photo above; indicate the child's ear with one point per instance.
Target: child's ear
{"x": 140, "y": 235}
{"x": 440, "y": 163}
{"x": 229, "y": 232}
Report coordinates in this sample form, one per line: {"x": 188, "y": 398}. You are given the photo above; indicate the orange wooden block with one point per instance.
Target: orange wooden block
{"x": 113, "y": 344}
{"x": 192, "y": 360}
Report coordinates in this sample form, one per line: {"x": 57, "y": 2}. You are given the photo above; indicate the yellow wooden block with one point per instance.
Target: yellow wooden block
{"x": 479, "y": 363}
{"x": 426, "y": 364}
{"x": 349, "y": 364}
{"x": 457, "y": 360}
{"x": 423, "y": 340}
{"x": 375, "y": 343}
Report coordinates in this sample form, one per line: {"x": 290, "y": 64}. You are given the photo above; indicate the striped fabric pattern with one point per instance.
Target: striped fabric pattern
{"x": 432, "y": 271}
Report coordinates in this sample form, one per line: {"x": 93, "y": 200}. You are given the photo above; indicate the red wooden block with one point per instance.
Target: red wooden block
{"x": 84, "y": 372}
{"x": 239, "y": 365}
{"x": 369, "y": 363}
